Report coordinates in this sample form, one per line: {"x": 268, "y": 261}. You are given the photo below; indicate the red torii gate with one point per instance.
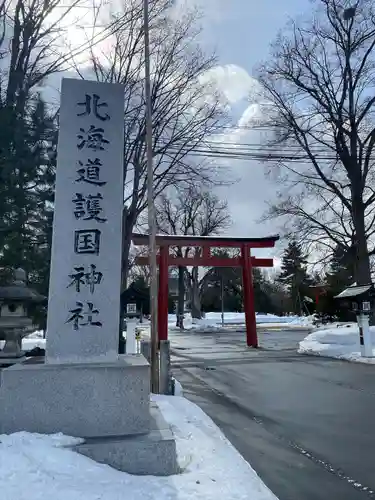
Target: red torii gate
{"x": 246, "y": 261}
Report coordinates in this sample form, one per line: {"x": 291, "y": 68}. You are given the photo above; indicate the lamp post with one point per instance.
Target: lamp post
{"x": 151, "y": 208}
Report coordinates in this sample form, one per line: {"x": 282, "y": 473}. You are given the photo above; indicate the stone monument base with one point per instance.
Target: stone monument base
{"x": 106, "y": 404}
{"x": 153, "y": 453}
{"x": 77, "y": 399}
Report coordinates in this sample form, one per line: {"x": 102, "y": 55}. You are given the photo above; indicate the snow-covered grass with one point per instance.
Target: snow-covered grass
{"x": 340, "y": 342}
{"x": 37, "y": 467}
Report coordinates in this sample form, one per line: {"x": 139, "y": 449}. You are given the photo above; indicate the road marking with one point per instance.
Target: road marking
{"x": 330, "y": 468}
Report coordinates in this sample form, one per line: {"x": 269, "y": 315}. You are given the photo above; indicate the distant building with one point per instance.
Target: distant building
{"x": 139, "y": 297}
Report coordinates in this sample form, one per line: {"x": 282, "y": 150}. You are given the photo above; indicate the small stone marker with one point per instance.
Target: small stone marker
{"x": 84, "y": 291}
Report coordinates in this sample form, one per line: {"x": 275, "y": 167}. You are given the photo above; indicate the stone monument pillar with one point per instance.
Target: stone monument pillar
{"x": 85, "y": 388}
{"x": 84, "y": 290}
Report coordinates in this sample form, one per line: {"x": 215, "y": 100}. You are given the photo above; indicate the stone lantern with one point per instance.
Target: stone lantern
{"x": 14, "y": 321}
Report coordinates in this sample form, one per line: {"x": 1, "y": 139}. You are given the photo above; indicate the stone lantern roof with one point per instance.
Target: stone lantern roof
{"x": 18, "y": 291}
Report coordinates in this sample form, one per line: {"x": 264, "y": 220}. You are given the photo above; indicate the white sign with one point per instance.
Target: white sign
{"x": 131, "y": 308}
{"x": 84, "y": 294}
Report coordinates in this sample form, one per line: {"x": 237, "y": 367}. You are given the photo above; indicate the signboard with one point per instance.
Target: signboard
{"x": 84, "y": 296}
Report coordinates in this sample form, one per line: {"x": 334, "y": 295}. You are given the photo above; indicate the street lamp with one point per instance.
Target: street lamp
{"x": 151, "y": 208}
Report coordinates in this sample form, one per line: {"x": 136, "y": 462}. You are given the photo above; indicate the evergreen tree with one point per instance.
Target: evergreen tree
{"x": 278, "y": 296}
{"x": 27, "y": 167}
{"x": 341, "y": 273}
{"x": 294, "y": 275}
{"x": 339, "y": 277}
{"x": 228, "y": 279}
{"x": 262, "y": 299}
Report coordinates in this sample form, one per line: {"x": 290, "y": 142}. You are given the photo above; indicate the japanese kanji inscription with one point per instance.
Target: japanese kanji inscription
{"x": 84, "y": 302}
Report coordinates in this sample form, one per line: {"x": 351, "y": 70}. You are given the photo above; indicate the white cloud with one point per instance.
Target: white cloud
{"x": 247, "y": 198}
{"x": 232, "y": 81}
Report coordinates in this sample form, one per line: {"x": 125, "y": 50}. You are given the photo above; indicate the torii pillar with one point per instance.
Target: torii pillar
{"x": 248, "y": 298}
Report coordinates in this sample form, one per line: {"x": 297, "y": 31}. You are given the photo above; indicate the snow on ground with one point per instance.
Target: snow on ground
{"x": 37, "y": 467}
{"x": 38, "y": 334}
{"x": 341, "y": 342}
{"x": 212, "y": 320}
{"x": 30, "y": 342}
{"x": 178, "y": 390}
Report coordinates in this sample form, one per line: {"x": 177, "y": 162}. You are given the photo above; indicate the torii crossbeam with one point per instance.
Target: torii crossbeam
{"x": 246, "y": 262}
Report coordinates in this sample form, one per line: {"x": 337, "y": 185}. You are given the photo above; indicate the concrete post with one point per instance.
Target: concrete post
{"x": 165, "y": 368}
{"x": 365, "y": 336}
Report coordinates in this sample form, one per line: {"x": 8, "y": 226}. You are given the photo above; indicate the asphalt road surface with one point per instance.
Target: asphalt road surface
{"x": 306, "y": 424}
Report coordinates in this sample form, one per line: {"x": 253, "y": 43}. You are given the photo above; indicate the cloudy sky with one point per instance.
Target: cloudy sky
{"x": 241, "y": 32}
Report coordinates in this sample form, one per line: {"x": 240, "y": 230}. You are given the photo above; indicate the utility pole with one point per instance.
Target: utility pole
{"x": 151, "y": 209}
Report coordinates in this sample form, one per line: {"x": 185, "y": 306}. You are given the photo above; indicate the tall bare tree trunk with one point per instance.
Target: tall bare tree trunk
{"x": 181, "y": 297}
{"x": 128, "y": 222}
{"x": 362, "y": 270}
{"x": 195, "y": 295}
{"x": 127, "y": 229}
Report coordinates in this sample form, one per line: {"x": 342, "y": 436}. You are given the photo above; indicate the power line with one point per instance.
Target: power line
{"x": 255, "y": 153}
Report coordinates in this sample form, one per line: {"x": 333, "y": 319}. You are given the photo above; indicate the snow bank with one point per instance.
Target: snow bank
{"x": 35, "y": 467}
{"x": 341, "y": 342}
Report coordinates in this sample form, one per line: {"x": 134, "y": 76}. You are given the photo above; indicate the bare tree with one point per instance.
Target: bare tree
{"x": 184, "y": 114}
{"x": 320, "y": 82}
{"x": 35, "y": 32}
{"x": 191, "y": 211}
{"x": 3, "y": 12}
{"x": 136, "y": 271}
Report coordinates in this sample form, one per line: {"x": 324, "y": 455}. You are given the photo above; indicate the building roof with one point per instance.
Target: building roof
{"x": 213, "y": 241}
{"x": 20, "y": 293}
{"x": 134, "y": 293}
{"x": 353, "y": 291}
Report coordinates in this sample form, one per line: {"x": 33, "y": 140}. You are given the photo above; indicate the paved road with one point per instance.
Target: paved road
{"x": 306, "y": 424}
